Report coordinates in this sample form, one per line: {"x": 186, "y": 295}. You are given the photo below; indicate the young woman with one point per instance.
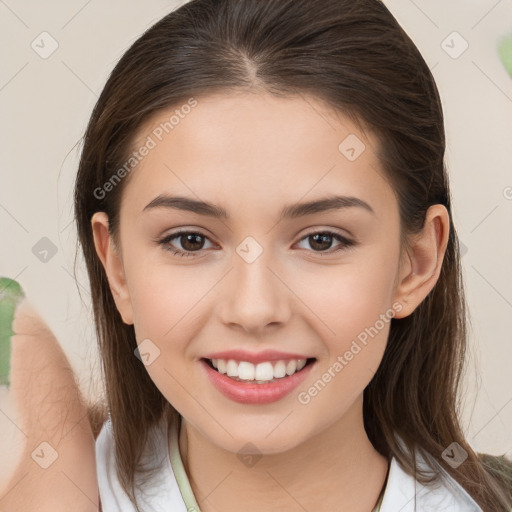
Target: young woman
{"x": 265, "y": 215}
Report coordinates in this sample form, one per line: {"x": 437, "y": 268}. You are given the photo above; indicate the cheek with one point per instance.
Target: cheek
{"x": 163, "y": 306}
{"x": 352, "y": 308}
{"x": 164, "y": 297}
{"x": 168, "y": 309}
{"x": 347, "y": 299}
{"x": 358, "y": 319}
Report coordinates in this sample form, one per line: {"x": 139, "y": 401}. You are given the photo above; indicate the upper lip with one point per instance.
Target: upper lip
{"x": 255, "y": 357}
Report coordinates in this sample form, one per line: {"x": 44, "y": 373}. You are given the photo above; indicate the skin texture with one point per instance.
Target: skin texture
{"x": 252, "y": 154}
{"x": 43, "y": 405}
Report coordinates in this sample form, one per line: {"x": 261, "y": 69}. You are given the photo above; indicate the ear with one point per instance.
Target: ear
{"x": 422, "y": 260}
{"x": 111, "y": 259}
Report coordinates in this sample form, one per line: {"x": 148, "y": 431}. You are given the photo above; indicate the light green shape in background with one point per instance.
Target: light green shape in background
{"x": 505, "y": 52}
{"x": 11, "y": 295}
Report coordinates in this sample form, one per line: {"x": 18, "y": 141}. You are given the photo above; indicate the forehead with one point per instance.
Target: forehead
{"x": 255, "y": 148}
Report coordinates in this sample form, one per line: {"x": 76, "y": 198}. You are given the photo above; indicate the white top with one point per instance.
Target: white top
{"x": 162, "y": 493}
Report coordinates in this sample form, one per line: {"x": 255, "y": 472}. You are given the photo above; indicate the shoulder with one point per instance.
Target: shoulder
{"x": 500, "y": 467}
{"x": 112, "y": 495}
{"x": 157, "y": 493}
{"x": 403, "y": 492}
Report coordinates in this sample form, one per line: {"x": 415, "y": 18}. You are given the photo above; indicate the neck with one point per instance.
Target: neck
{"x": 336, "y": 469}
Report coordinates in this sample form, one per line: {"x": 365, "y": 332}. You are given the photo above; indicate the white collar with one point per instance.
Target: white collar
{"x": 402, "y": 494}
{"x": 405, "y": 494}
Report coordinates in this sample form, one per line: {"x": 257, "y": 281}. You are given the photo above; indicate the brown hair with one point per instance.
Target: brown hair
{"x": 356, "y": 57}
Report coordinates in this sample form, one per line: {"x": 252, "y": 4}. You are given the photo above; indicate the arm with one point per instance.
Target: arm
{"x": 48, "y": 461}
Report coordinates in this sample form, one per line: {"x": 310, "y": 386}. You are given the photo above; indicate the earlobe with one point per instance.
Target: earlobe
{"x": 421, "y": 265}
{"x": 111, "y": 260}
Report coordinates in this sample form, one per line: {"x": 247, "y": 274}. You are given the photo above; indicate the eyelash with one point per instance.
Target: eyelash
{"x": 345, "y": 242}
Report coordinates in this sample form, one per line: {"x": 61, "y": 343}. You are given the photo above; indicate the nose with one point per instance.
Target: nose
{"x": 254, "y": 297}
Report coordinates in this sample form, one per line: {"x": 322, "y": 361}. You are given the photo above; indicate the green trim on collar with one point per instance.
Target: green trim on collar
{"x": 180, "y": 473}
{"x": 182, "y": 478}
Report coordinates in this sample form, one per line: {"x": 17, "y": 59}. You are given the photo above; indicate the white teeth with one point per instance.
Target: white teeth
{"x": 246, "y": 371}
{"x": 232, "y": 368}
{"x": 279, "y": 369}
{"x": 262, "y": 372}
{"x": 220, "y": 364}
{"x": 291, "y": 367}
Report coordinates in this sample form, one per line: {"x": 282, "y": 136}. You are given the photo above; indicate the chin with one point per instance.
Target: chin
{"x": 259, "y": 440}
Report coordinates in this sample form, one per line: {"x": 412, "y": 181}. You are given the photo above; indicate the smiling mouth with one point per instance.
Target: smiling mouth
{"x": 268, "y": 372}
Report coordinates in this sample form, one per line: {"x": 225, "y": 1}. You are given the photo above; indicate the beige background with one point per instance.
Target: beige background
{"x": 45, "y": 105}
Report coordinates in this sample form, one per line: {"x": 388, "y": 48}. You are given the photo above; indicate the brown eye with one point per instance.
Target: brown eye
{"x": 321, "y": 241}
{"x": 190, "y": 242}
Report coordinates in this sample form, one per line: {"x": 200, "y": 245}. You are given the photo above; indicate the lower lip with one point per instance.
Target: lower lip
{"x": 247, "y": 393}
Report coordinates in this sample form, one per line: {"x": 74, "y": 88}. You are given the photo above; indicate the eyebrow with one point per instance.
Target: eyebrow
{"x": 291, "y": 211}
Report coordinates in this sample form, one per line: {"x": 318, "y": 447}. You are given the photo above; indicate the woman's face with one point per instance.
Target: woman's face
{"x": 263, "y": 275}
